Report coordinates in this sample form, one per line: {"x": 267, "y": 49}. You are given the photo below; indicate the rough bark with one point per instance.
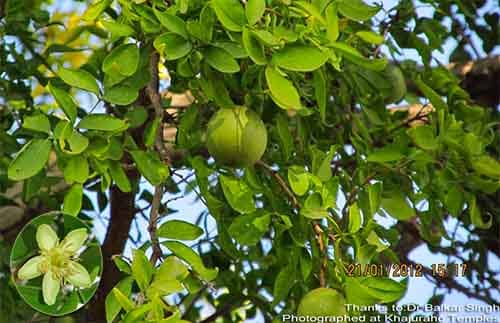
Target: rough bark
{"x": 122, "y": 211}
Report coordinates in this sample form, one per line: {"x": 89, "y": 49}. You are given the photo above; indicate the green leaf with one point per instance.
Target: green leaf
{"x": 80, "y": 79}
{"x": 305, "y": 264}
{"x": 76, "y": 170}
{"x": 357, "y": 10}
{"x": 320, "y": 93}
{"x": 122, "y": 264}
{"x": 486, "y": 165}
{"x": 385, "y": 154}
{"x": 311, "y": 11}
{"x": 235, "y": 49}
{"x": 476, "y": 217}
{"x": 397, "y": 206}
{"x": 120, "y": 177}
{"x": 354, "y": 56}
{"x": 374, "y": 240}
{"x": 314, "y": 213}
{"x": 435, "y": 98}
{"x": 324, "y": 171}
{"x": 313, "y": 207}
{"x": 112, "y": 305}
{"x": 76, "y": 141}
{"x": 142, "y": 269}
{"x": 118, "y": 29}
{"x": 332, "y": 22}
{"x": 138, "y": 314}
{"x": 121, "y": 95}
{"x": 95, "y": 10}
{"x": 371, "y": 199}
{"x": 385, "y": 289}
{"x": 266, "y": 37}
{"x": 372, "y": 290}
{"x": 192, "y": 258}
{"x": 230, "y": 13}
{"x": 221, "y": 60}
{"x": 171, "y": 22}
{"x": 136, "y": 116}
{"x": 370, "y": 37}
{"x": 365, "y": 254}
{"x": 173, "y": 46}
{"x": 355, "y": 219}
{"x": 172, "y": 268}
{"x": 454, "y": 200}
{"x": 150, "y": 166}
{"x": 64, "y": 100}
{"x": 73, "y": 200}
{"x": 424, "y": 137}
{"x": 283, "y": 284}
{"x": 300, "y": 58}
{"x": 238, "y": 194}
{"x": 254, "y": 10}
{"x": 30, "y": 159}
{"x": 102, "y": 122}
{"x": 283, "y": 92}
{"x": 162, "y": 286}
{"x": 285, "y": 135}
{"x": 123, "y": 300}
{"x": 253, "y": 47}
{"x": 248, "y": 229}
{"x": 298, "y": 179}
{"x": 37, "y": 122}
{"x": 179, "y": 230}
{"x": 123, "y": 60}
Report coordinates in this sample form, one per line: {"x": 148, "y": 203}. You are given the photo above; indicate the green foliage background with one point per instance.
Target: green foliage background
{"x": 314, "y": 72}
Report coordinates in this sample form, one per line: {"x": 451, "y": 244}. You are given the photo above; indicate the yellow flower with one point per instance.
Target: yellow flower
{"x": 56, "y": 262}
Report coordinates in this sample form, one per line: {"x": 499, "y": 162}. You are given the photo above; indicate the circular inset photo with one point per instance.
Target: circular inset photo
{"x": 56, "y": 263}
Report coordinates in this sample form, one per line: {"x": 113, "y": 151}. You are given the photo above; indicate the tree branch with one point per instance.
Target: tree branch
{"x": 315, "y": 225}
{"x": 122, "y": 210}
{"x": 154, "y": 96}
{"x": 153, "y": 221}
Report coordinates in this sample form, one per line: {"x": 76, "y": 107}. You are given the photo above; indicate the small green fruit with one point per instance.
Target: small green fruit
{"x": 322, "y": 302}
{"x": 236, "y": 137}
{"x": 398, "y": 84}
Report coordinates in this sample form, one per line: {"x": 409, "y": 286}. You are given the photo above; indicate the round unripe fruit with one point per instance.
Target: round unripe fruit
{"x": 322, "y": 302}
{"x": 398, "y": 83}
{"x": 236, "y": 137}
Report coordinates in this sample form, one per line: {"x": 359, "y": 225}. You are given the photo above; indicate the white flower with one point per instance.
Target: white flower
{"x": 56, "y": 262}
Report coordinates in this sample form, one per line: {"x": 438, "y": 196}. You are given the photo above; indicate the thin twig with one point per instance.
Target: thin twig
{"x": 354, "y": 192}
{"x": 315, "y": 225}
{"x": 153, "y": 219}
{"x": 226, "y": 308}
{"x": 154, "y": 96}
{"x": 281, "y": 183}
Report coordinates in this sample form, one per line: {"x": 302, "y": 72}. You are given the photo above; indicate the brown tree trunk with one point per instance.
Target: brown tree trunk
{"x": 122, "y": 211}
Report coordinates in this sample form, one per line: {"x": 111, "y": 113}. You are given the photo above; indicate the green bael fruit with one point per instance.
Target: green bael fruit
{"x": 236, "y": 137}
{"x": 322, "y": 302}
{"x": 398, "y": 83}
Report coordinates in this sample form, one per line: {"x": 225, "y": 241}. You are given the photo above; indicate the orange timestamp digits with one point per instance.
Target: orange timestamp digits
{"x": 405, "y": 270}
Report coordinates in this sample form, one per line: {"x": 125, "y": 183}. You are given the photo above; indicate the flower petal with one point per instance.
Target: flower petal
{"x": 31, "y": 268}
{"x": 46, "y": 237}
{"x": 78, "y": 276}
{"x": 74, "y": 240}
{"x": 50, "y": 288}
